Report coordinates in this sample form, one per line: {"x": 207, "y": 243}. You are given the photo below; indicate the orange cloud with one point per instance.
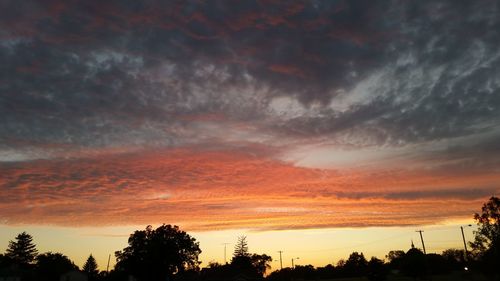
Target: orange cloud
{"x": 221, "y": 189}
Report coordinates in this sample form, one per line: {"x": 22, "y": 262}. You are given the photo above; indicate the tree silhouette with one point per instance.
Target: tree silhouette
{"x": 355, "y": 265}
{"x": 22, "y": 251}
{"x": 285, "y": 274}
{"x": 454, "y": 258}
{"x": 395, "y": 258}
{"x": 4, "y": 261}
{"x": 157, "y": 254}
{"x": 261, "y": 263}
{"x": 377, "y": 270}
{"x": 241, "y": 247}
{"x": 243, "y": 262}
{"x": 327, "y": 272}
{"x": 437, "y": 264}
{"x": 90, "y": 267}
{"x": 414, "y": 264}
{"x": 487, "y": 238}
{"x": 304, "y": 272}
{"x": 394, "y": 255}
{"x": 50, "y": 266}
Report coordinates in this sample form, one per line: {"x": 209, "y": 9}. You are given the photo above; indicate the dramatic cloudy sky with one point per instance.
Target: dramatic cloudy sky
{"x": 265, "y": 115}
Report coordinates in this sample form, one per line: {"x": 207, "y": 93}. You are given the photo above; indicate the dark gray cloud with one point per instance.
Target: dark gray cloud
{"x": 362, "y": 73}
{"x": 457, "y": 193}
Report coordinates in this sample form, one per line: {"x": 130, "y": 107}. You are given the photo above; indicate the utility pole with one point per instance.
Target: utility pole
{"x": 281, "y": 262}
{"x": 225, "y": 244}
{"x": 107, "y": 267}
{"x": 422, "y": 239}
{"x": 466, "y": 254}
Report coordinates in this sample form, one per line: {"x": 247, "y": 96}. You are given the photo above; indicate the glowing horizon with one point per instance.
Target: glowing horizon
{"x": 318, "y": 247}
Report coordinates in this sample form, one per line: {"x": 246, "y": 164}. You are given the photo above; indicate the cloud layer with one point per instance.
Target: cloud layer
{"x": 181, "y": 110}
{"x": 206, "y": 190}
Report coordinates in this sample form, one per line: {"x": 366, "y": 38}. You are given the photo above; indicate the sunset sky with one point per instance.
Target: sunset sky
{"x": 314, "y": 127}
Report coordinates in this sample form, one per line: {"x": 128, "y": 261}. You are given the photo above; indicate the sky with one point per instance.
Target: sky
{"x": 346, "y": 122}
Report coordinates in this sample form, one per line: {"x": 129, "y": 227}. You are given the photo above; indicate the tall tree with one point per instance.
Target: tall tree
{"x": 22, "y": 251}
{"x": 90, "y": 267}
{"x": 241, "y": 247}
{"x": 157, "y": 254}
{"x": 488, "y": 234}
{"x": 487, "y": 238}
{"x": 252, "y": 265}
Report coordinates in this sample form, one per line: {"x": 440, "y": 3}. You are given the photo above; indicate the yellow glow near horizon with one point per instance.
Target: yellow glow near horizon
{"x": 317, "y": 247}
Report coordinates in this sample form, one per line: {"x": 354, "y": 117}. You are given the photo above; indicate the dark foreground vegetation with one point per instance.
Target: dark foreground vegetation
{"x": 168, "y": 253}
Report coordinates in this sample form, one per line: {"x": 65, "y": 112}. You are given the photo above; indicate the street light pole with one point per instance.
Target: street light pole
{"x": 466, "y": 254}
{"x": 281, "y": 262}
{"x": 293, "y": 266}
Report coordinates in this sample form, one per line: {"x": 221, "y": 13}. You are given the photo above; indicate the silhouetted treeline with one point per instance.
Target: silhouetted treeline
{"x": 145, "y": 259}
{"x": 168, "y": 253}
{"x": 412, "y": 263}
